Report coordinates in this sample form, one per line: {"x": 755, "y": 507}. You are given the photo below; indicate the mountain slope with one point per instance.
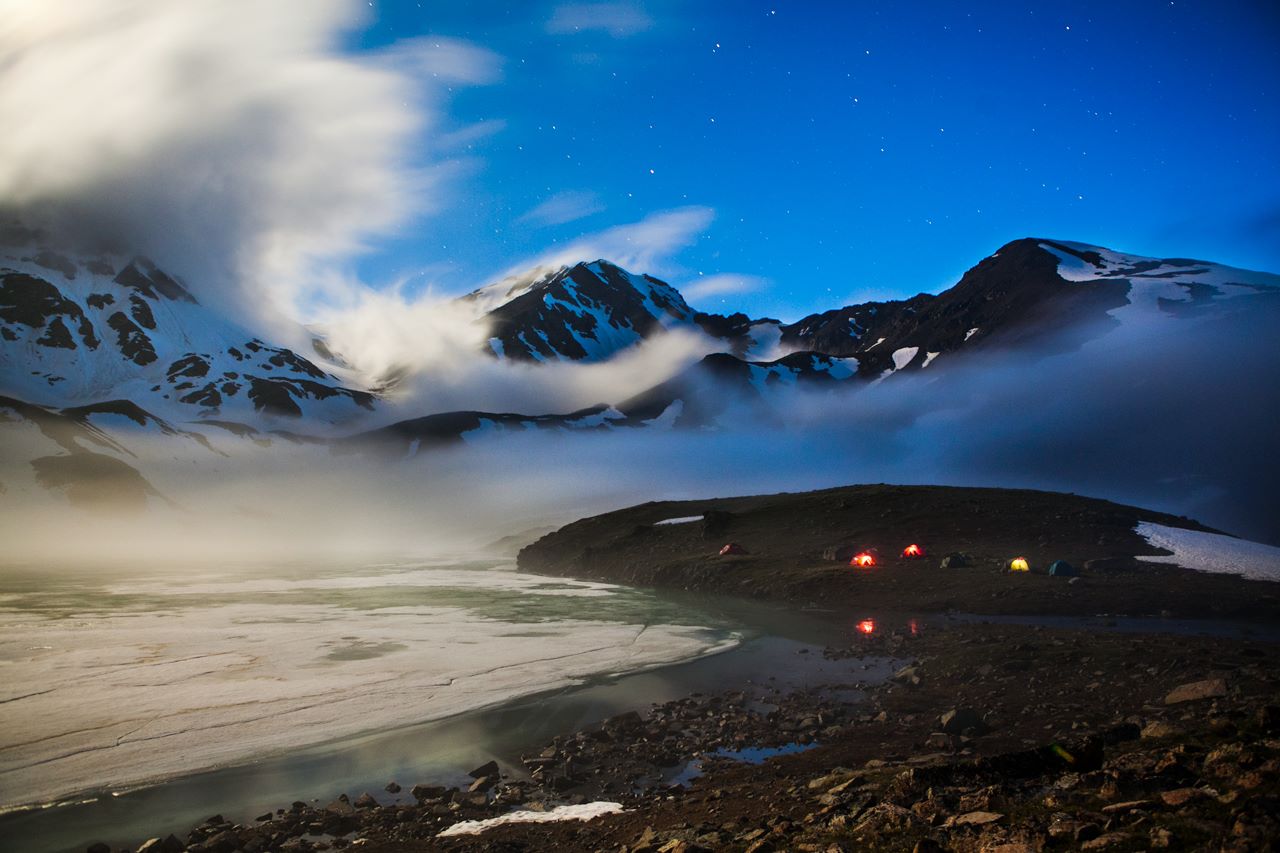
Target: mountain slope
{"x": 587, "y": 312}
{"x": 78, "y": 330}
{"x": 1027, "y": 287}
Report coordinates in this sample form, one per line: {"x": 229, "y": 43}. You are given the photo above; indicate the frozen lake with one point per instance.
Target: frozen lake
{"x": 115, "y": 682}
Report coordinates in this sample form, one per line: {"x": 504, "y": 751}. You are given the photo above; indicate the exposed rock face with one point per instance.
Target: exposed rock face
{"x": 586, "y": 312}
{"x": 75, "y": 331}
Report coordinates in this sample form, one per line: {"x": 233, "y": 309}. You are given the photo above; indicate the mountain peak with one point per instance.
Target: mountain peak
{"x": 584, "y": 312}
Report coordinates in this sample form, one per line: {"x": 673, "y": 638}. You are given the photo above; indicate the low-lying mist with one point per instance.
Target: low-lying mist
{"x": 1177, "y": 415}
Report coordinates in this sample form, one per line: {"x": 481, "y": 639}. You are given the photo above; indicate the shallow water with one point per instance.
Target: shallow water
{"x": 382, "y": 648}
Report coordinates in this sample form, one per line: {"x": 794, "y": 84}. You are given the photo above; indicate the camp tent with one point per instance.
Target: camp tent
{"x": 913, "y": 552}
{"x": 955, "y": 561}
{"x": 731, "y": 549}
{"x": 1019, "y": 564}
{"x": 863, "y": 560}
{"x": 1062, "y": 569}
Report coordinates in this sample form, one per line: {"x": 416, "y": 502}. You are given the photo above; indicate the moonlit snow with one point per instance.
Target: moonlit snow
{"x": 135, "y": 681}
{"x": 586, "y": 811}
{"x": 1212, "y": 552}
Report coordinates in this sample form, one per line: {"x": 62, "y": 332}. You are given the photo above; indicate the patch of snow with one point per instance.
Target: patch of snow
{"x": 842, "y": 368}
{"x": 684, "y": 519}
{"x": 586, "y": 811}
{"x": 669, "y": 416}
{"x": 1071, "y": 268}
{"x": 1212, "y": 552}
{"x": 928, "y": 357}
{"x": 498, "y": 348}
{"x": 902, "y": 357}
{"x": 971, "y": 333}
{"x": 873, "y": 346}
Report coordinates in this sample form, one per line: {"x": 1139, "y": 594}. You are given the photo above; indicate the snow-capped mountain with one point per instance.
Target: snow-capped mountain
{"x": 1027, "y": 288}
{"x": 112, "y": 343}
{"x": 586, "y": 312}
{"x": 76, "y": 331}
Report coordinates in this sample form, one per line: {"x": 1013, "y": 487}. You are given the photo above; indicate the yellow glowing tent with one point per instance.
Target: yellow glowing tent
{"x": 1019, "y": 564}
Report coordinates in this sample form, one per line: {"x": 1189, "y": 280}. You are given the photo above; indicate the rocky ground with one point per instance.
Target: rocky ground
{"x": 990, "y": 736}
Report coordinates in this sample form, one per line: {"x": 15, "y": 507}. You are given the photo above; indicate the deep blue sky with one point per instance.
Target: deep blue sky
{"x": 860, "y": 149}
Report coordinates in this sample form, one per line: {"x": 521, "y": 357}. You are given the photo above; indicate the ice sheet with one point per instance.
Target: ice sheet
{"x": 176, "y": 677}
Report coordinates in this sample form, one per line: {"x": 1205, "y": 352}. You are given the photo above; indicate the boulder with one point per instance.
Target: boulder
{"x": 392, "y": 788}
{"x": 489, "y": 768}
{"x": 340, "y": 807}
{"x": 1159, "y": 729}
{"x": 1195, "y": 691}
{"x": 427, "y": 792}
{"x": 958, "y": 720}
{"x": 979, "y": 818}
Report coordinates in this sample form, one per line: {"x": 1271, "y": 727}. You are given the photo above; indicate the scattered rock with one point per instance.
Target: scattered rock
{"x": 427, "y": 792}
{"x": 340, "y": 806}
{"x": 959, "y": 720}
{"x": 979, "y": 818}
{"x": 1104, "y": 841}
{"x": 489, "y": 768}
{"x": 392, "y": 788}
{"x": 1180, "y": 796}
{"x": 1160, "y": 729}
{"x": 1211, "y": 688}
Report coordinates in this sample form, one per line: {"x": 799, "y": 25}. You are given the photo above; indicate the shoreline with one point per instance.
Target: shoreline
{"x": 869, "y": 758}
{"x": 945, "y": 727}
{"x": 601, "y": 693}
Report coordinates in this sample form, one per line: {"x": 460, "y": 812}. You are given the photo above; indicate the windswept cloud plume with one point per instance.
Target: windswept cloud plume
{"x": 564, "y": 207}
{"x": 644, "y": 246}
{"x": 722, "y": 284}
{"x": 617, "y": 19}
{"x": 230, "y": 139}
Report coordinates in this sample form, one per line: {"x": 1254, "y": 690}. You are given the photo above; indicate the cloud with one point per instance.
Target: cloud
{"x": 232, "y": 140}
{"x": 563, "y": 207}
{"x": 722, "y": 284}
{"x": 468, "y": 136}
{"x": 644, "y": 246}
{"x": 447, "y": 59}
{"x": 617, "y": 19}
{"x": 435, "y": 341}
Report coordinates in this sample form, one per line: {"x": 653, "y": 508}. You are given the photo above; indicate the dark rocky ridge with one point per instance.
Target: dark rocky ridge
{"x": 786, "y": 536}
{"x": 1009, "y": 296}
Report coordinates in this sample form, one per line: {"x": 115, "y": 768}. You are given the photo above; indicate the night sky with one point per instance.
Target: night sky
{"x": 843, "y": 151}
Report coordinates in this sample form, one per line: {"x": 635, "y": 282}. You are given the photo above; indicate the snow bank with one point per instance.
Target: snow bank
{"x": 1212, "y": 552}
{"x": 684, "y": 519}
{"x": 586, "y": 811}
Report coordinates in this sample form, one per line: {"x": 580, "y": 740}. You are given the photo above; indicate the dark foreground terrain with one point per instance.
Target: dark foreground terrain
{"x": 798, "y": 548}
{"x": 990, "y": 735}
